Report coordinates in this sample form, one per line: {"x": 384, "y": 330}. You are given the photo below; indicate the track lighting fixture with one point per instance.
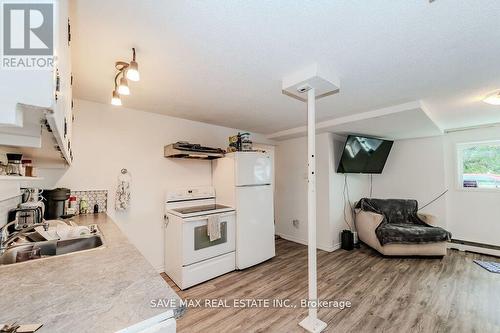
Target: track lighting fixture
{"x": 493, "y": 98}
{"x": 115, "y": 100}
{"x": 123, "y": 88}
{"x": 126, "y": 71}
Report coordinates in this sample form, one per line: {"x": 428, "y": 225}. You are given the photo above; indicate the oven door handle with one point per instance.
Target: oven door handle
{"x": 205, "y": 217}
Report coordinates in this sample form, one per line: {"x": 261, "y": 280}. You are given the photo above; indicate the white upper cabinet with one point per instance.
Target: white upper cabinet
{"x": 31, "y": 96}
{"x": 61, "y": 118}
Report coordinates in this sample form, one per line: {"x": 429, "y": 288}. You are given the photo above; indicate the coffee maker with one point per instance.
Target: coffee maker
{"x": 14, "y": 166}
{"x": 55, "y": 202}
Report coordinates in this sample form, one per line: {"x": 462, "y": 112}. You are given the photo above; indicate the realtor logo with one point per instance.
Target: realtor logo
{"x": 27, "y": 35}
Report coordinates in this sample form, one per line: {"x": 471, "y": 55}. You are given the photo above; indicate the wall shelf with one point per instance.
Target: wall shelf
{"x": 20, "y": 178}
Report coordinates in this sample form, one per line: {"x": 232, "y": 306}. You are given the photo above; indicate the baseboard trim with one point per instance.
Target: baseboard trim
{"x": 486, "y": 246}
{"x": 463, "y": 245}
{"x": 329, "y": 248}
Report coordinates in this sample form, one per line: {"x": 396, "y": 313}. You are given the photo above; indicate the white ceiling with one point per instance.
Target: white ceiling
{"x": 403, "y": 121}
{"x": 222, "y": 62}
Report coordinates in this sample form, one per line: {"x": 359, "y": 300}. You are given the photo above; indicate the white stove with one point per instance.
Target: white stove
{"x": 192, "y": 211}
{"x": 190, "y": 256}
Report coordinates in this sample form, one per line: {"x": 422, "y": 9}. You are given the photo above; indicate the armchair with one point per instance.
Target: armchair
{"x": 395, "y": 228}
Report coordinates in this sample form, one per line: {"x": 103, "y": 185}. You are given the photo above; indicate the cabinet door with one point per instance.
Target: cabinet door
{"x": 60, "y": 120}
{"x": 47, "y": 89}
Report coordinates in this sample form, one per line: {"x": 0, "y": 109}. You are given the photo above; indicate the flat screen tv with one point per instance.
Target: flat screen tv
{"x": 363, "y": 154}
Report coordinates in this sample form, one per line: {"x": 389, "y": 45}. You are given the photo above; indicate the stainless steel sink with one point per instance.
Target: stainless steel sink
{"x": 78, "y": 244}
{"x": 52, "y": 248}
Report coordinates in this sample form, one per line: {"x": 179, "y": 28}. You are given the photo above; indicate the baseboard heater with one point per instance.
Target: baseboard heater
{"x": 484, "y": 246}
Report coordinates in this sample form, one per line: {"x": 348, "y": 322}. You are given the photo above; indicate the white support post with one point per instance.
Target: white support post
{"x": 311, "y": 323}
{"x": 311, "y": 201}
{"x": 317, "y": 83}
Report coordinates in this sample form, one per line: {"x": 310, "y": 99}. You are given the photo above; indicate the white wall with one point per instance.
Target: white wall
{"x": 107, "y": 139}
{"x": 291, "y": 190}
{"x": 9, "y": 198}
{"x": 415, "y": 169}
{"x": 423, "y": 168}
{"x": 358, "y": 187}
{"x": 473, "y": 215}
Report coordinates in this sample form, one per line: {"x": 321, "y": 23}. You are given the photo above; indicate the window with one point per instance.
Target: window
{"x": 479, "y": 165}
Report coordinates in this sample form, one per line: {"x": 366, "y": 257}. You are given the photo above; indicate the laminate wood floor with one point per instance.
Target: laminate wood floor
{"x": 387, "y": 294}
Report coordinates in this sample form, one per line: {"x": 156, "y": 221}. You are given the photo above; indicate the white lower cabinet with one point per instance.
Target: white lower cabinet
{"x": 167, "y": 326}
{"x": 156, "y": 324}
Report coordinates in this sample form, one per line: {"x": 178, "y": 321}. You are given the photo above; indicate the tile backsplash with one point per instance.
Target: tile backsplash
{"x": 99, "y": 197}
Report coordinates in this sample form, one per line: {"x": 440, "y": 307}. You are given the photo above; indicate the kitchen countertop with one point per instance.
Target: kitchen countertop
{"x": 100, "y": 290}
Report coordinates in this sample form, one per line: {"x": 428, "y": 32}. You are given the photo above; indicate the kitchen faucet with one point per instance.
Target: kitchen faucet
{"x": 6, "y": 238}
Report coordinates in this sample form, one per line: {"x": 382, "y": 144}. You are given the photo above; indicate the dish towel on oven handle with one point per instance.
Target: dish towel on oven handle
{"x": 213, "y": 228}
{"x": 122, "y": 198}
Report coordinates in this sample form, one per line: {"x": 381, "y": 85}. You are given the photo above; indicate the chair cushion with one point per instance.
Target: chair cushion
{"x": 394, "y": 210}
{"x": 405, "y": 233}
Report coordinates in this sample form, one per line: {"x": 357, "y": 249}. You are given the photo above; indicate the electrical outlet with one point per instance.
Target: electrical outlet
{"x": 295, "y": 223}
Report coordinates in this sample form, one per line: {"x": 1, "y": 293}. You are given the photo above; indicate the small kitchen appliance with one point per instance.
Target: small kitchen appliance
{"x": 55, "y": 202}
{"x": 26, "y": 216}
{"x": 190, "y": 256}
{"x": 14, "y": 166}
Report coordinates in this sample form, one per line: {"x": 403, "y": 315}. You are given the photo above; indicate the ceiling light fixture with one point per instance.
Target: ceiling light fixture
{"x": 126, "y": 71}
{"x": 115, "y": 100}
{"x": 133, "y": 70}
{"x": 123, "y": 88}
{"x": 493, "y": 98}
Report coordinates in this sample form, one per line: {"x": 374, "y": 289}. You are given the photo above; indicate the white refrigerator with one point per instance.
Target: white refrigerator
{"x": 243, "y": 180}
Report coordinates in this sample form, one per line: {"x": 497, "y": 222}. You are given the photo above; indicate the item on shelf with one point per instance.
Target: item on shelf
{"x": 239, "y": 142}
{"x": 71, "y": 211}
{"x": 28, "y": 168}
{"x": 84, "y": 205}
{"x": 31, "y": 194}
{"x": 96, "y": 208}
{"x": 14, "y": 166}
{"x": 72, "y": 202}
{"x": 246, "y": 143}
{"x": 233, "y": 143}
